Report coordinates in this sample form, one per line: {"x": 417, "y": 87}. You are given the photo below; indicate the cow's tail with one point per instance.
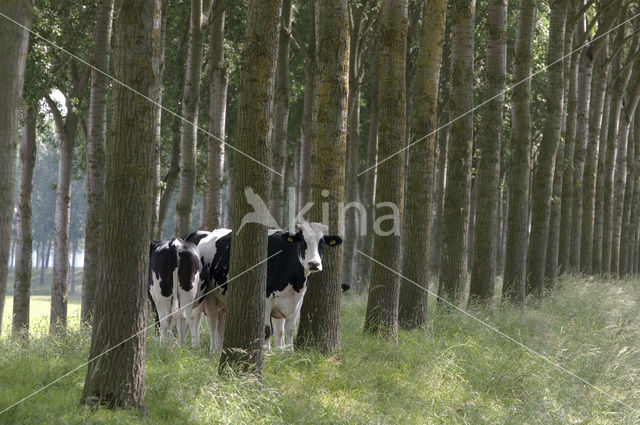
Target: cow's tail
{"x": 175, "y": 303}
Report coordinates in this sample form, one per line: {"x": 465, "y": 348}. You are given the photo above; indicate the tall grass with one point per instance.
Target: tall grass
{"x": 455, "y": 372}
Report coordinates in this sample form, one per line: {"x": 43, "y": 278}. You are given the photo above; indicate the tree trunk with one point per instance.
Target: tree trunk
{"x": 543, "y": 180}
{"x": 625, "y": 236}
{"x": 351, "y": 219}
{"x": 116, "y": 377}
{"x": 596, "y": 264}
{"x": 74, "y": 245}
{"x": 320, "y": 314}
{"x": 45, "y": 253}
{"x": 582, "y": 137}
{"x": 513, "y": 288}
{"x": 626, "y": 115}
{"x": 551, "y": 259}
{"x": 419, "y": 202}
{"x": 22, "y": 286}
{"x": 244, "y": 329}
{"x": 351, "y": 216}
{"x": 66, "y": 130}
{"x": 369, "y": 185}
{"x": 14, "y": 41}
{"x": 598, "y": 88}
{"x": 189, "y": 122}
{"x": 218, "y": 84}
{"x": 310, "y": 71}
{"x": 96, "y": 155}
{"x": 617, "y": 96}
{"x": 455, "y": 215}
{"x": 442, "y": 140}
{"x": 566, "y": 203}
{"x": 48, "y": 257}
{"x": 381, "y": 316}
{"x": 157, "y": 154}
{"x": 281, "y": 116}
{"x": 555, "y": 216}
{"x": 635, "y": 204}
{"x": 170, "y": 182}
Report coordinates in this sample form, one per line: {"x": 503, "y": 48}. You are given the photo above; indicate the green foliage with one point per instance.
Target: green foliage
{"x": 456, "y": 372}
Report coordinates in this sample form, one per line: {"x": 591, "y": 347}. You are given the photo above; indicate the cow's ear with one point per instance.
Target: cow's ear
{"x": 152, "y": 246}
{"x": 333, "y": 240}
{"x": 289, "y": 237}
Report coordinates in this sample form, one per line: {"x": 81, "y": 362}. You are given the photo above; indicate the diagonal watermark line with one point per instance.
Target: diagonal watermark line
{"x": 159, "y": 105}
{"x": 132, "y": 336}
{"x": 502, "y": 93}
{"x": 530, "y": 350}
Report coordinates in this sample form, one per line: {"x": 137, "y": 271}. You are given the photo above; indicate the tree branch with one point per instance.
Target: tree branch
{"x": 57, "y": 116}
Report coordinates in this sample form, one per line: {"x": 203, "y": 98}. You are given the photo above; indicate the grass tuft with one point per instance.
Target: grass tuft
{"x": 454, "y": 372}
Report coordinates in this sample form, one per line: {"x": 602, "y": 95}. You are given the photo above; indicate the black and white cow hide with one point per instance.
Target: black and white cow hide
{"x": 174, "y": 273}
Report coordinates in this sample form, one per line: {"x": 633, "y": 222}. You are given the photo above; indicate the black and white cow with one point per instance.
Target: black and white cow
{"x": 287, "y": 274}
{"x": 174, "y": 273}
{"x": 213, "y": 249}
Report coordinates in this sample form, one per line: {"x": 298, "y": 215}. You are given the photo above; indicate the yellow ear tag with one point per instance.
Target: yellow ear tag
{"x": 332, "y": 242}
{"x": 290, "y": 239}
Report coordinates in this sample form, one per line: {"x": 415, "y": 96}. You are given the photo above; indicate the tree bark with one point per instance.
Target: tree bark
{"x": 626, "y": 115}
{"x": 634, "y": 248}
{"x": 157, "y": 178}
{"x": 96, "y": 155}
{"x": 170, "y": 180}
{"x": 551, "y": 259}
{"x": 442, "y": 141}
{"x": 244, "y": 329}
{"x": 513, "y": 288}
{"x": 596, "y": 264}
{"x": 553, "y": 241}
{"x": 66, "y": 130}
{"x": 13, "y": 43}
{"x": 621, "y": 79}
{"x": 566, "y": 203}
{"x": 582, "y": 137}
{"x": 598, "y": 88}
{"x": 310, "y": 71}
{"x": 455, "y": 215}
{"x": 189, "y": 122}
{"x": 281, "y": 116}
{"x": 358, "y": 35}
{"x": 418, "y": 203}
{"x": 22, "y": 285}
{"x": 218, "y": 84}
{"x": 381, "y": 317}
{"x": 320, "y": 313}
{"x": 72, "y": 273}
{"x": 543, "y": 180}
{"x": 625, "y": 236}
{"x": 116, "y": 377}
{"x": 369, "y": 185}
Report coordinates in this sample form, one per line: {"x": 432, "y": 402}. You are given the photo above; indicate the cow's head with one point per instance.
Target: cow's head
{"x": 310, "y": 239}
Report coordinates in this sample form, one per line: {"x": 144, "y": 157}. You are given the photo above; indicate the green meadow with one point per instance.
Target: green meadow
{"x": 457, "y": 371}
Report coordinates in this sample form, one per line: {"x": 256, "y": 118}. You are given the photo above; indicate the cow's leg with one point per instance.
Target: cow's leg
{"x": 267, "y": 324}
{"x": 163, "y": 305}
{"x": 211, "y": 308}
{"x": 182, "y": 313}
{"x": 222, "y": 317}
{"x": 278, "y": 332}
{"x": 194, "y": 323}
{"x": 290, "y": 326}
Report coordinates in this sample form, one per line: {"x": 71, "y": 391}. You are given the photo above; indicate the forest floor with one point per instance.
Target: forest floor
{"x": 456, "y": 372}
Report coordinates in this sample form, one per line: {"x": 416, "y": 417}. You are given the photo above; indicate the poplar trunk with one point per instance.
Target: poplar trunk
{"x": 22, "y": 285}
{"x": 381, "y": 317}
{"x": 320, "y": 313}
